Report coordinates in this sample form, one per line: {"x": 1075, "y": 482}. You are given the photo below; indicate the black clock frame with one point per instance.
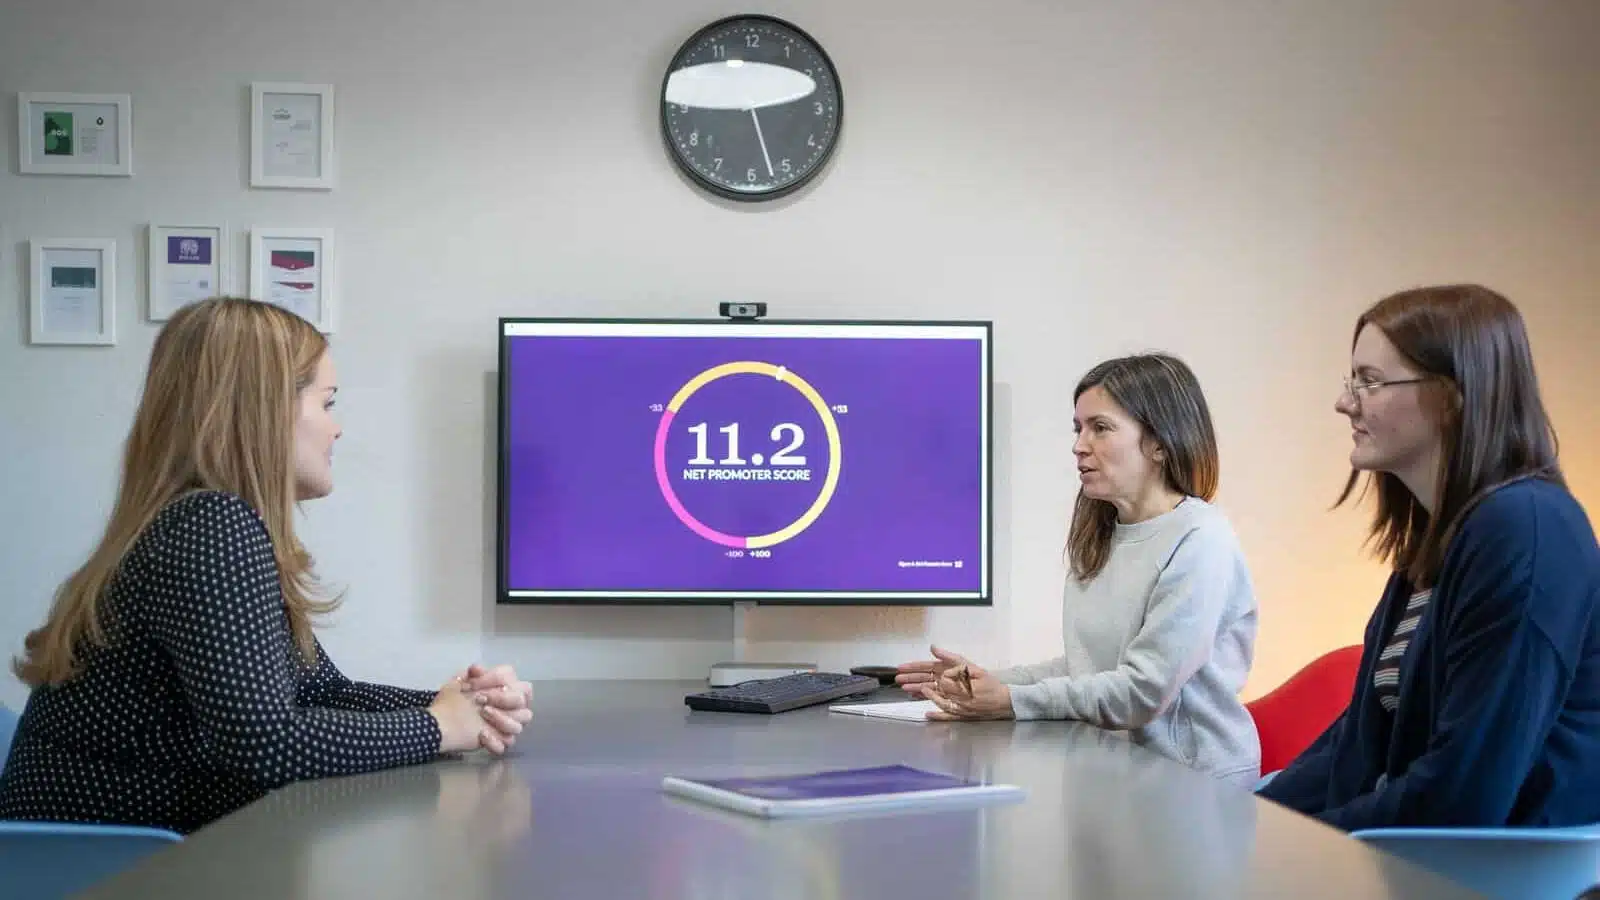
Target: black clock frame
{"x": 712, "y": 185}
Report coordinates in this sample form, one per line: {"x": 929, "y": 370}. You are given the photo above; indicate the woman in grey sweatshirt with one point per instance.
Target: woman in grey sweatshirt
{"x": 1159, "y": 610}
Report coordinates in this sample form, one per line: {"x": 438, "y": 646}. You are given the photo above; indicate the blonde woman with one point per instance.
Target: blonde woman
{"x": 177, "y": 677}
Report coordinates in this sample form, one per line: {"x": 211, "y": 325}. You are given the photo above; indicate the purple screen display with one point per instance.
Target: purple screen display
{"x": 703, "y": 466}
{"x": 843, "y": 783}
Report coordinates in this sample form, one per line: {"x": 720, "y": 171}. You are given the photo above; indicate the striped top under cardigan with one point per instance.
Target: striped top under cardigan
{"x": 1386, "y": 674}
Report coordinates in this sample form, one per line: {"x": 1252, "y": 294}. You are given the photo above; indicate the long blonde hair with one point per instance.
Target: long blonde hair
{"x": 217, "y": 414}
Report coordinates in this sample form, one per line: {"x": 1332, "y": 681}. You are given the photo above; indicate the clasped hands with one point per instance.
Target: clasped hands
{"x": 482, "y": 707}
{"x": 959, "y": 688}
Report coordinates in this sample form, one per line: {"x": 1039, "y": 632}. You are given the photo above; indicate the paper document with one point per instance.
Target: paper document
{"x": 906, "y": 710}
{"x": 293, "y": 135}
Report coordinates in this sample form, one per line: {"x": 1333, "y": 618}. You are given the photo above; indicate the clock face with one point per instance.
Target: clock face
{"x": 751, "y": 107}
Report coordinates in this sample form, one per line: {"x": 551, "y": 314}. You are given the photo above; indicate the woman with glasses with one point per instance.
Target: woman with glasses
{"x": 1478, "y": 700}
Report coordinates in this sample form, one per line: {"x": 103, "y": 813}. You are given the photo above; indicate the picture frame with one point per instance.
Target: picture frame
{"x": 185, "y": 264}
{"x": 72, "y": 296}
{"x": 295, "y": 268}
{"x": 291, "y": 135}
{"x": 74, "y": 134}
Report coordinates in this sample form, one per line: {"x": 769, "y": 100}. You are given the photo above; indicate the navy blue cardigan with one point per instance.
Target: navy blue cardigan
{"x": 1499, "y": 714}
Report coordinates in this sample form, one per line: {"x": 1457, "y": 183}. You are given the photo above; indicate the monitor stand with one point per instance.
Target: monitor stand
{"x": 725, "y": 674}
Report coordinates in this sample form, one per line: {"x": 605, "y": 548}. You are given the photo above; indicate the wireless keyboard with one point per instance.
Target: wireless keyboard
{"x": 781, "y": 694}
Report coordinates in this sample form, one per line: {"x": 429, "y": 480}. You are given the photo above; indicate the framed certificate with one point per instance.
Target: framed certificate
{"x": 186, "y": 263}
{"x": 75, "y": 134}
{"x": 72, "y": 295}
{"x": 293, "y": 268}
{"x": 291, "y": 135}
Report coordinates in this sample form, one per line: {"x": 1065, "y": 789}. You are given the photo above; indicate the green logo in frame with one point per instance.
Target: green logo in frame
{"x": 58, "y": 134}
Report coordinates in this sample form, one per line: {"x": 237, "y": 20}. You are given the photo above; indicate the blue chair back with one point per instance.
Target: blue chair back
{"x": 47, "y": 860}
{"x": 1508, "y": 863}
{"x": 8, "y": 728}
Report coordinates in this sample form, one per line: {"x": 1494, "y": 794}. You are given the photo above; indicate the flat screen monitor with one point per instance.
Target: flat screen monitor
{"x": 718, "y": 461}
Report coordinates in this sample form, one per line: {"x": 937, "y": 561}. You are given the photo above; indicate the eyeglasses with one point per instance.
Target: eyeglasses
{"x": 1358, "y": 389}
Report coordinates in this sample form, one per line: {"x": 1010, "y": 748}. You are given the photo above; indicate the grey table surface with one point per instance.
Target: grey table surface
{"x": 576, "y": 811}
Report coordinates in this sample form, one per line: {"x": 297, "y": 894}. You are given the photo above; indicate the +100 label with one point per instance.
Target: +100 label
{"x": 747, "y": 367}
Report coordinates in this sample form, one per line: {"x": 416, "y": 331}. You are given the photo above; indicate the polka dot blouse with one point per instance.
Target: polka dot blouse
{"x": 200, "y": 703}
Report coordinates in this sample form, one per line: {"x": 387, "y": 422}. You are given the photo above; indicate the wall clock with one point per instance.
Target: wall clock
{"x": 751, "y": 107}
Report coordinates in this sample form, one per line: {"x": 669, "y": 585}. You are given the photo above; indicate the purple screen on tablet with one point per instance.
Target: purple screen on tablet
{"x": 842, "y": 783}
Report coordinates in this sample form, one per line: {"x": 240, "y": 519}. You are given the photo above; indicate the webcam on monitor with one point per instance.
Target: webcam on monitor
{"x": 742, "y": 311}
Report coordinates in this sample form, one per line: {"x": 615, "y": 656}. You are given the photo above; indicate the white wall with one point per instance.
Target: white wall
{"x": 1231, "y": 180}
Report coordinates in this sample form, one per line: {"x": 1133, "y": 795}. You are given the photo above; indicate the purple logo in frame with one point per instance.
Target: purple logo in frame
{"x": 189, "y": 250}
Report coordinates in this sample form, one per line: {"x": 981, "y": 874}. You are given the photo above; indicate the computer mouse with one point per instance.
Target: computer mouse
{"x": 884, "y": 674}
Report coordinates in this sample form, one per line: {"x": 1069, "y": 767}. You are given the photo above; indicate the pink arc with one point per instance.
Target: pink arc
{"x": 676, "y": 505}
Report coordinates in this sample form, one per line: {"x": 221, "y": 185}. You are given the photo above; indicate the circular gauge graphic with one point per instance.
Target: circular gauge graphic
{"x": 782, "y": 375}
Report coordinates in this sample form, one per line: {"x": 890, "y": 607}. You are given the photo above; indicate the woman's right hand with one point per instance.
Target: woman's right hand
{"x": 914, "y": 676}
{"x": 505, "y": 710}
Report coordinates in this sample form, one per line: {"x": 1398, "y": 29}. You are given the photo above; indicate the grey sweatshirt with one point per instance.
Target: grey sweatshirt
{"x": 1159, "y": 645}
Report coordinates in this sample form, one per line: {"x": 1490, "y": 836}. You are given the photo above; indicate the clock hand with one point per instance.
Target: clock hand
{"x": 763, "y": 140}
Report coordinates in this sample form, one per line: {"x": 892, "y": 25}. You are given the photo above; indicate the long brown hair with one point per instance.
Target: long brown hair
{"x": 217, "y": 413}
{"x": 1472, "y": 346}
{"x": 1161, "y": 393}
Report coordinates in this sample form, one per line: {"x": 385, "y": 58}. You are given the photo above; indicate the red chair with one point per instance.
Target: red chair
{"x": 1295, "y": 713}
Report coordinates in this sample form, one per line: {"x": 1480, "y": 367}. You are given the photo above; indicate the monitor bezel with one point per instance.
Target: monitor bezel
{"x": 984, "y": 597}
